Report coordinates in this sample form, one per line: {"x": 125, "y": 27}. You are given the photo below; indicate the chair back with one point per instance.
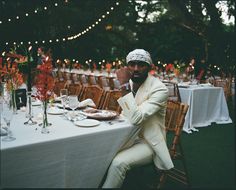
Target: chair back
{"x": 58, "y": 86}
{"x": 92, "y": 80}
{"x": 83, "y": 80}
{"x": 110, "y": 102}
{"x": 75, "y": 78}
{"x": 174, "y": 121}
{"x": 75, "y": 89}
{"x": 93, "y": 92}
{"x": 173, "y": 91}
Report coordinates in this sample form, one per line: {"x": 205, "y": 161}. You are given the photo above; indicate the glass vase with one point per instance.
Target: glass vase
{"x": 13, "y": 101}
{"x": 29, "y": 110}
{"x": 45, "y": 123}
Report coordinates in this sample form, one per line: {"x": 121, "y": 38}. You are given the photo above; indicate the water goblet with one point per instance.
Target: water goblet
{"x": 7, "y": 116}
{"x": 73, "y": 103}
{"x": 64, "y": 96}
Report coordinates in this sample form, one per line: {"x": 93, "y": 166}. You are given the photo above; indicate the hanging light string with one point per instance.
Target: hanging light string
{"x": 92, "y": 25}
{"x": 27, "y": 14}
{"x": 64, "y": 39}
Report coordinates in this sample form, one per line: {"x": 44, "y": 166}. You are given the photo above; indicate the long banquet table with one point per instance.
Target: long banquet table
{"x": 68, "y": 157}
{"x": 207, "y": 104}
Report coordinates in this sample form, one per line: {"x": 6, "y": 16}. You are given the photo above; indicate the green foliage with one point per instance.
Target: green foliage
{"x": 178, "y": 32}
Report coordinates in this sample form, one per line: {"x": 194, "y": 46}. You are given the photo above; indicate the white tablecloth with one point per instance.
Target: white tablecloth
{"x": 206, "y": 105}
{"x": 69, "y": 156}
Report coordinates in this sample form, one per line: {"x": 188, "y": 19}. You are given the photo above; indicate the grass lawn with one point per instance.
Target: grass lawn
{"x": 210, "y": 156}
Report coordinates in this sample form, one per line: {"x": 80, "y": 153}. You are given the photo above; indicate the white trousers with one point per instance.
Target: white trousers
{"x": 137, "y": 155}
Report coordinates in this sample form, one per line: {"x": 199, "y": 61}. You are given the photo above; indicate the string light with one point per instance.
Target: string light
{"x": 26, "y": 14}
{"x": 90, "y": 27}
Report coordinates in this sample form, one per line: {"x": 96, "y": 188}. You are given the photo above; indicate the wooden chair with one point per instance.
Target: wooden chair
{"x": 93, "y": 92}
{"x": 110, "y": 82}
{"x": 110, "y": 102}
{"x": 103, "y": 83}
{"x": 75, "y": 78}
{"x": 83, "y": 80}
{"x": 173, "y": 93}
{"x": 92, "y": 80}
{"x": 58, "y": 86}
{"x": 174, "y": 121}
{"x": 75, "y": 89}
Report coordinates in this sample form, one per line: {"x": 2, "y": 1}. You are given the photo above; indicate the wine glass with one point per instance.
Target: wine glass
{"x": 7, "y": 116}
{"x": 73, "y": 103}
{"x": 1, "y": 109}
{"x": 64, "y": 96}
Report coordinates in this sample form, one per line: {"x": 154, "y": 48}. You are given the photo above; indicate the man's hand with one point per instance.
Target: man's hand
{"x": 123, "y": 75}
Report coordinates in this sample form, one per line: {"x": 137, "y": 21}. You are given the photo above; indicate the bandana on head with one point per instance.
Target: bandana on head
{"x": 139, "y": 55}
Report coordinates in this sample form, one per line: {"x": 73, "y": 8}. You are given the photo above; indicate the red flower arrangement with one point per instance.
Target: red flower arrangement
{"x": 13, "y": 77}
{"x": 169, "y": 67}
{"x": 45, "y": 82}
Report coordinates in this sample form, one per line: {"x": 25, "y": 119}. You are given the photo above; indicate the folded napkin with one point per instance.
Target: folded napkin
{"x": 87, "y": 102}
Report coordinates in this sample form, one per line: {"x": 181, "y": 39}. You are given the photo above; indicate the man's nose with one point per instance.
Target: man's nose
{"x": 136, "y": 67}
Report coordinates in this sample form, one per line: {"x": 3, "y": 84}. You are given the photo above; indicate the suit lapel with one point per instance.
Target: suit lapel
{"x": 142, "y": 91}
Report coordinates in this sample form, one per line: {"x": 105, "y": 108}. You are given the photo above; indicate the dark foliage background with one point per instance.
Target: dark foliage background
{"x": 179, "y": 32}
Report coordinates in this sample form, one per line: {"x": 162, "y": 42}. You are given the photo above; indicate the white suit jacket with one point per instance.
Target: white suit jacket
{"x": 147, "y": 111}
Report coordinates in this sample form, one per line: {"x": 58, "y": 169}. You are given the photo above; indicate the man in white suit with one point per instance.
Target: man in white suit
{"x": 145, "y": 107}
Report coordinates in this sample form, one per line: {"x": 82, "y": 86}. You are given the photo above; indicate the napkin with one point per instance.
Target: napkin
{"x": 87, "y": 102}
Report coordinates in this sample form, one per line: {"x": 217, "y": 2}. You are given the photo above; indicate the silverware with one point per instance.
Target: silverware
{"x": 115, "y": 121}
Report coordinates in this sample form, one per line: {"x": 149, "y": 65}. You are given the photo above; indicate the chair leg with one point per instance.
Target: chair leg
{"x": 184, "y": 164}
{"x": 162, "y": 179}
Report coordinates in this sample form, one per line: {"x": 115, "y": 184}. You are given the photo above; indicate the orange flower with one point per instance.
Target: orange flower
{"x": 14, "y": 79}
{"x": 108, "y": 67}
{"x": 45, "y": 82}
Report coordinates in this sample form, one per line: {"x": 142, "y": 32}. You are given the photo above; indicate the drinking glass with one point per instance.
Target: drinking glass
{"x": 73, "y": 103}
{"x": 7, "y": 114}
{"x": 1, "y": 109}
{"x": 64, "y": 96}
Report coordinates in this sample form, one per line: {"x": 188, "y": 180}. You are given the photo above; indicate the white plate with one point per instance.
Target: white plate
{"x": 87, "y": 123}
{"x": 55, "y": 111}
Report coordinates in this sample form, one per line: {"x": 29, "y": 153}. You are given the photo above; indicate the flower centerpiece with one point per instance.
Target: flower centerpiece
{"x": 13, "y": 79}
{"x": 44, "y": 83}
{"x": 108, "y": 68}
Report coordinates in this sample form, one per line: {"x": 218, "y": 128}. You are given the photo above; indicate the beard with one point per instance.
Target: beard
{"x": 139, "y": 77}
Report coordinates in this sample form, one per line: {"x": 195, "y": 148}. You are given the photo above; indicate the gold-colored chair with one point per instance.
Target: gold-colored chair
{"x": 92, "y": 80}
{"x": 103, "y": 82}
{"x": 75, "y": 89}
{"x": 110, "y": 102}
{"x": 93, "y": 92}
{"x": 58, "y": 86}
{"x": 174, "y": 121}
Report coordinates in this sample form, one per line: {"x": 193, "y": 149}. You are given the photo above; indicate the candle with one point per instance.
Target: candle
{"x": 29, "y": 81}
